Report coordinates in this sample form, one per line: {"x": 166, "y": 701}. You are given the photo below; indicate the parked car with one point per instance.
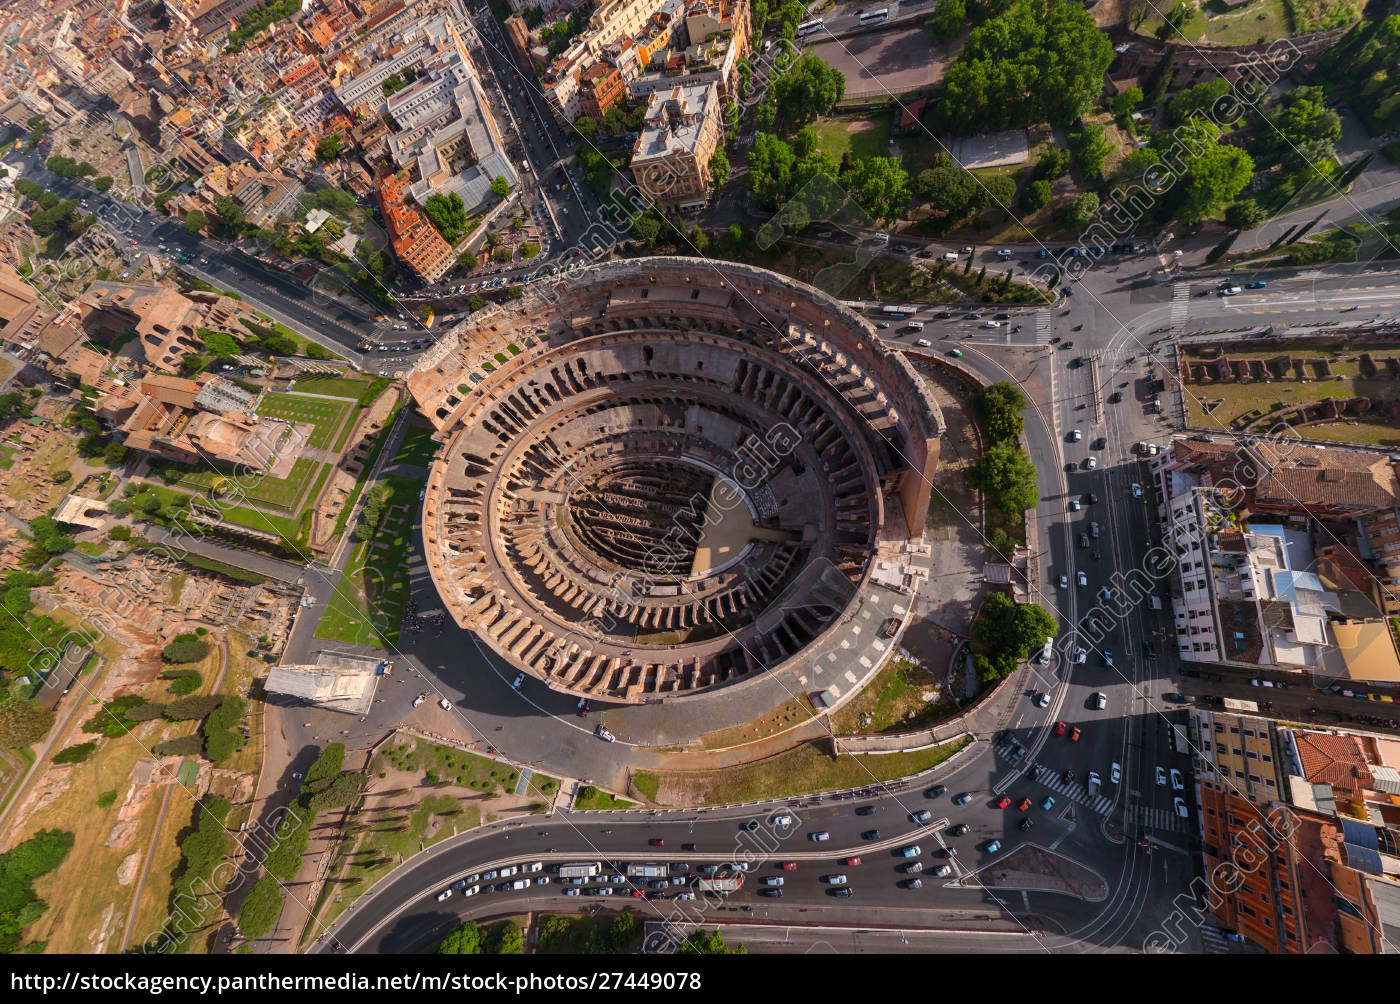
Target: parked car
{"x": 1177, "y": 784}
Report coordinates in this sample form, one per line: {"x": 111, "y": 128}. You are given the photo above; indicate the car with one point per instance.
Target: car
{"x": 1080, "y": 655}
{"x": 943, "y": 871}
{"x": 865, "y": 810}
{"x": 1048, "y": 802}
{"x": 445, "y": 894}
{"x": 1003, "y": 802}
{"x": 1091, "y": 463}
{"x": 772, "y": 893}
{"x": 502, "y": 887}
{"x": 542, "y": 880}
{"x": 911, "y": 851}
{"x": 1074, "y": 734}
{"x": 965, "y": 249}
{"x": 1256, "y": 284}
{"x": 1230, "y": 290}
{"x": 1005, "y": 253}
{"x": 1099, "y": 700}
{"x": 781, "y": 819}
{"x": 471, "y": 890}
{"x": 842, "y": 891}
{"x": 571, "y": 892}
{"x": 882, "y": 325}
{"x": 991, "y": 324}
{"x": 850, "y": 862}
{"x": 1093, "y": 528}
{"x": 749, "y": 825}
{"x": 993, "y": 846}
{"x": 445, "y": 704}
{"x": 974, "y": 316}
{"x": 948, "y": 256}
{"x": 1024, "y": 824}
{"x": 1042, "y": 700}
{"x": 963, "y": 798}
{"x": 1099, "y": 443}
{"x": 1075, "y": 436}
{"x": 582, "y": 706}
{"x": 835, "y": 878}
{"x": 1074, "y": 505}
{"x": 955, "y": 353}
{"x": 657, "y": 842}
{"x": 957, "y": 829}
{"x": 912, "y": 883}
{"x": 1091, "y": 498}
{"x": 1060, "y": 728}
{"x": 923, "y": 342}
{"x": 1024, "y": 803}
{"x": 1115, "y": 772}
{"x": 1179, "y": 804}
{"x": 1106, "y": 658}
{"x": 1083, "y": 540}
{"x": 910, "y": 867}
{"x": 788, "y": 866}
{"x": 508, "y": 871}
{"x": 949, "y": 852}
{"x": 519, "y": 680}
{"x": 870, "y": 835}
{"x": 1081, "y": 578}
{"x": 1136, "y": 490}
{"x": 1160, "y": 774}
{"x": 659, "y": 883}
{"x": 920, "y": 816}
{"x": 1177, "y": 784}
{"x": 819, "y": 836}
{"x": 604, "y": 734}
{"x": 936, "y": 791}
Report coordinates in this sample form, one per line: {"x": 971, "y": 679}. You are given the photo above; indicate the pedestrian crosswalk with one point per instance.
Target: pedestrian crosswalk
{"x": 1181, "y": 303}
{"x": 1165, "y": 820}
{"x": 1042, "y": 326}
{"x": 1073, "y": 790}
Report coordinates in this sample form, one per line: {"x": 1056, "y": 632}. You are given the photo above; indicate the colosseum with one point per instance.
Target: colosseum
{"x": 665, "y": 476}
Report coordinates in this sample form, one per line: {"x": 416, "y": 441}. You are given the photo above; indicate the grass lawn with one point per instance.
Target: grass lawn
{"x": 288, "y": 494}
{"x": 861, "y": 135}
{"x": 331, "y": 386}
{"x": 367, "y": 606}
{"x": 805, "y": 769}
{"x": 591, "y": 798}
{"x": 895, "y": 701}
{"x": 328, "y": 417}
{"x": 417, "y": 447}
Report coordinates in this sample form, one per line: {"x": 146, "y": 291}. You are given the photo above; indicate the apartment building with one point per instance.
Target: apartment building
{"x": 415, "y": 240}
{"x": 671, "y": 158}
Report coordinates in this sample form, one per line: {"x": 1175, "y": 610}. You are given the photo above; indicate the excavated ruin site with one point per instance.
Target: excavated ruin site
{"x": 666, "y": 475}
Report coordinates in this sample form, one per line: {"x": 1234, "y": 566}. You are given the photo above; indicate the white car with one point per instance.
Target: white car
{"x": 445, "y": 894}
{"x": 1179, "y": 804}
{"x": 1091, "y": 463}
{"x": 1043, "y": 700}
{"x": 1080, "y": 655}
{"x": 837, "y": 879}
{"x": 604, "y": 735}
{"x": 991, "y": 324}
{"x": 1161, "y": 775}
{"x": 923, "y": 343}
{"x": 1177, "y": 784}
{"x": 471, "y": 890}
{"x": 1064, "y": 581}
{"x": 949, "y": 256}
{"x": 508, "y": 871}
{"x": 1005, "y": 253}
{"x": 782, "y": 819}
{"x": 1115, "y": 772}
{"x": 1076, "y": 436}
{"x": 1229, "y": 290}
{"x": 1081, "y": 578}
{"x": 445, "y": 704}
{"x": 533, "y": 866}
{"x": 1137, "y": 490}
{"x": 943, "y": 871}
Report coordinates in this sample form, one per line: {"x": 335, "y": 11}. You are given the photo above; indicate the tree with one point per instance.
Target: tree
{"x": 114, "y": 454}
{"x": 1215, "y": 176}
{"x": 1036, "y": 195}
{"x": 1053, "y": 163}
{"x": 467, "y": 259}
{"x": 997, "y": 191}
{"x": 510, "y": 943}
{"x": 1080, "y": 212}
{"x": 23, "y": 723}
{"x": 879, "y": 185}
{"x": 1091, "y": 148}
{"x": 195, "y": 221}
{"x": 771, "y": 162}
{"x": 700, "y": 943}
{"x": 949, "y": 189}
{"x": 736, "y": 236}
{"x": 808, "y": 89}
{"x": 1246, "y": 214}
{"x": 185, "y": 648}
{"x": 500, "y": 188}
{"x": 260, "y": 909}
{"x": 221, "y": 345}
{"x": 61, "y": 476}
{"x": 1039, "y": 60}
{"x": 465, "y": 939}
{"x": 448, "y": 213}
{"x": 475, "y": 302}
{"x": 75, "y": 754}
{"x": 1123, "y": 104}
{"x": 1007, "y": 474}
{"x": 719, "y": 167}
{"x": 102, "y": 184}
{"x": 329, "y": 147}
{"x": 1196, "y": 99}
{"x": 119, "y": 532}
{"x": 528, "y": 250}
{"x": 947, "y": 21}
{"x": 1003, "y": 625}
{"x": 999, "y": 406}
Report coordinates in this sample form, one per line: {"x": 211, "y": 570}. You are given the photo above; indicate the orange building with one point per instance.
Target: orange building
{"x": 601, "y": 86}
{"x": 416, "y": 241}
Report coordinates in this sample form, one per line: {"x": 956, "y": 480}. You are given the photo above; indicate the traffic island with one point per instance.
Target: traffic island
{"x": 1034, "y": 869}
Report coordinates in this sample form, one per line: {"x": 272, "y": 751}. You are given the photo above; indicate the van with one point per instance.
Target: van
{"x": 523, "y": 883}
{"x": 1156, "y": 602}
{"x": 916, "y": 325}
{"x": 1044, "y": 656}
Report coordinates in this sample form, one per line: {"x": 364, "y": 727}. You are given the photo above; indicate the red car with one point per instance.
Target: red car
{"x": 1060, "y": 728}
{"x": 1024, "y": 804}
{"x": 657, "y": 842}
{"x": 789, "y": 866}
{"x": 639, "y": 893}
{"x": 851, "y": 862}
{"x": 1003, "y": 802}
{"x": 1074, "y": 735}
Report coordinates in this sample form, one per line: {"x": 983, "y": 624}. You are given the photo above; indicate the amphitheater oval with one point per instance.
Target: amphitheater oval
{"x": 663, "y": 477}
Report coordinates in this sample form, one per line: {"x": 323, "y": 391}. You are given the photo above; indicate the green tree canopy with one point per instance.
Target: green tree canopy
{"x": 948, "y": 20}
{"x": 808, "y": 89}
{"x": 1005, "y": 472}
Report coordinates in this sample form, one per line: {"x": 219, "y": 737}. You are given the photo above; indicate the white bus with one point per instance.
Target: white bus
{"x": 809, "y": 27}
{"x": 871, "y": 17}
{"x": 903, "y": 310}
{"x": 582, "y": 869}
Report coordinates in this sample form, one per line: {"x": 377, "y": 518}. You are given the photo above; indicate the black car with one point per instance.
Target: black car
{"x": 1091, "y": 498}
{"x": 865, "y": 810}
{"x": 1148, "y": 651}
{"x": 707, "y": 869}
{"x": 958, "y": 829}
{"x": 503, "y": 887}
{"x": 1002, "y": 317}
{"x": 1025, "y": 824}
{"x": 689, "y": 847}
{"x": 750, "y": 825}
{"x": 771, "y": 893}
{"x": 935, "y": 792}
{"x": 870, "y": 835}
{"x": 972, "y": 317}
{"x": 841, "y": 890}
{"x": 942, "y": 315}
{"x": 1115, "y": 397}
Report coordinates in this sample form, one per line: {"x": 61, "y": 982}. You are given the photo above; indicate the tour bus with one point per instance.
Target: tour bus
{"x": 810, "y": 27}
{"x": 583, "y": 869}
{"x": 871, "y": 17}
{"x": 901, "y": 310}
